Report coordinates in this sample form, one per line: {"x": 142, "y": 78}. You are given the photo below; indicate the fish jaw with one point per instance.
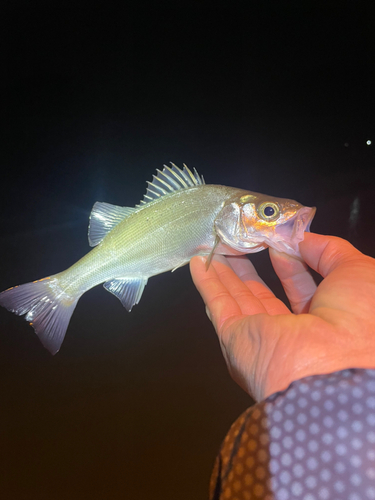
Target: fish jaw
{"x": 287, "y": 237}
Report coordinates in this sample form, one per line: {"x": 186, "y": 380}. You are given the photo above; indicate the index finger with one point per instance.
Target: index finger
{"x": 227, "y": 295}
{"x": 245, "y": 270}
{"x": 219, "y": 302}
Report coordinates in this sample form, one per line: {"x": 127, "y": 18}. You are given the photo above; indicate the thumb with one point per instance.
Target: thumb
{"x": 325, "y": 253}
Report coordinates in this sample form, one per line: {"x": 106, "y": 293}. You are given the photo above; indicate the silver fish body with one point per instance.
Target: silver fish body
{"x": 179, "y": 217}
{"x": 156, "y": 237}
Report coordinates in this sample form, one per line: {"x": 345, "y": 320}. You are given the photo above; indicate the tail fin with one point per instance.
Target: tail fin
{"x": 47, "y": 307}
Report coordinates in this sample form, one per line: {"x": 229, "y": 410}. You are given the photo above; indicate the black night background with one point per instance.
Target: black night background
{"x": 274, "y": 97}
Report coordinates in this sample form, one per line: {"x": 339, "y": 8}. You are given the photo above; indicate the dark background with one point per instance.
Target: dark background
{"x": 275, "y": 97}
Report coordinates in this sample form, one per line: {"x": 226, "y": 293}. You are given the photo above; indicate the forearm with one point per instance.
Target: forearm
{"x": 316, "y": 437}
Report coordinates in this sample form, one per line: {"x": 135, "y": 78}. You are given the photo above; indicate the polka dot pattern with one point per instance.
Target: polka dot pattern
{"x": 313, "y": 441}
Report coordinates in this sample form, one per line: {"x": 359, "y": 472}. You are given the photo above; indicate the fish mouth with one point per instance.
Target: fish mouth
{"x": 291, "y": 233}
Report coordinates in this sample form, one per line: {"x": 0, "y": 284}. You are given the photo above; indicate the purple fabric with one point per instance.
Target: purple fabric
{"x": 313, "y": 441}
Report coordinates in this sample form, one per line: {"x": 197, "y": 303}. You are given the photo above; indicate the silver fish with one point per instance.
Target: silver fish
{"x": 179, "y": 217}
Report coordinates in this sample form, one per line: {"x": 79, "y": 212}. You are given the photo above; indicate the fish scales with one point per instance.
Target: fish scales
{"x": 155, "y": 238}
{"x": 179, "y": 217}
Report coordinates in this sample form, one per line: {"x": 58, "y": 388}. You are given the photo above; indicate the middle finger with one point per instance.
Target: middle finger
{"x": 254, "y": 294}
{"x": 298, "y": 283}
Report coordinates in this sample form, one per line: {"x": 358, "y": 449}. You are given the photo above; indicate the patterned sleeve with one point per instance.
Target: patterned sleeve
{"x": 313, "y": 441}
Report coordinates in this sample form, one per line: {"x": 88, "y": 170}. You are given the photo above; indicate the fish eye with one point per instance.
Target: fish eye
{"x": 268, "y": 210}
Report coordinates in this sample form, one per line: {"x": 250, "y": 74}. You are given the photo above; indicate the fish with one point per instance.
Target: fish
{"x": 179, "y": 217}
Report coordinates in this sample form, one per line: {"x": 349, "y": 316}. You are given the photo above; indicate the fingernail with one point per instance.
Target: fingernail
{"x": 208, "y": 314}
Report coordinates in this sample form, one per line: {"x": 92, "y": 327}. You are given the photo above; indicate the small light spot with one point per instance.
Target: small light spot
{"x": 252, "y": 444}
{"x": 248, "y": 479}
{"x": 227, "y": 493}
{"x": 285, "y": 477}
{"x": 254, "y": 429}
{"x": 277, "y": 416}
{"x": 298, "y": 470}
{"x": 286, "y": 459}
{"x": 299, "y": 452}
{"x": 311, "y": 482}
{"x": 355, "y": 479}
{"x": 339, "y": 486}
{"x": 237, "y": 485}
{"x": 264, "y": 439}
{"x": 368, "y": 142}
{"x": 258, "y": 490}
{"x": 262, "y": 456}
{"x": 239, "y": 469}
{"x": 275, "y": 449}
{"x": 256, "y": 414}
{"x": 260, "y": 472}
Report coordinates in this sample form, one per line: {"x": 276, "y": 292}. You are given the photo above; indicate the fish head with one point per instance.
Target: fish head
{"x": 252, "y": 222}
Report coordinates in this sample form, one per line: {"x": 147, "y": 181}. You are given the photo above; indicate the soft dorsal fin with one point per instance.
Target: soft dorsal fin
{"x": 103, "y": 218}
{"x": 171, "y": 179}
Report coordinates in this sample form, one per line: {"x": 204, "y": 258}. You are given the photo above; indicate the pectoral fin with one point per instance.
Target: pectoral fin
{"x": 183, "y": 263}
{"x": 127, "y": 290}
{"x": 209, "y": 258}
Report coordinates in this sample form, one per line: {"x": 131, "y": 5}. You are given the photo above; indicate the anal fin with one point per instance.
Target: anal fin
{"x": 127, "y": 290}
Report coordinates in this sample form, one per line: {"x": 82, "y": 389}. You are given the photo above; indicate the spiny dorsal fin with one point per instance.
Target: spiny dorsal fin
{"x": 171, "y": 179}
{"x": 103, "y": 218}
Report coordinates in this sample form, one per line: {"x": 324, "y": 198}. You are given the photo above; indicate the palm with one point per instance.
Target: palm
{"x": 265, "y": 345}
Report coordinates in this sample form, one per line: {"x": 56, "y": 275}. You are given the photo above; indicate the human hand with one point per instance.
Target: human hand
{"x": 265, "y": 345}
